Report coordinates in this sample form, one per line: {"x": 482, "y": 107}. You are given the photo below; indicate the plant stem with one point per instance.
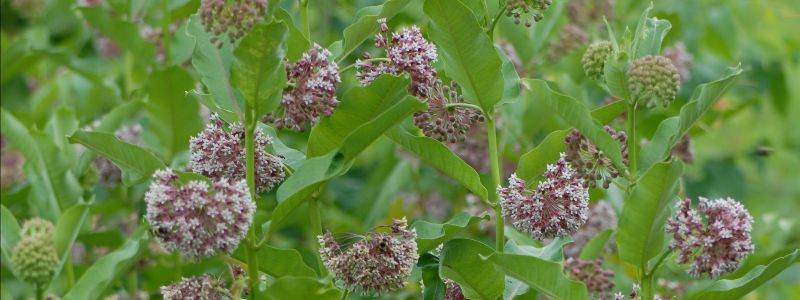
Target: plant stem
{"x": 463, "y": 104}
{"x": 39, "y": 292}
{"x": 344, "y": 296}
{"x": 633, "y": 145}
{"x": 495, "y": 164}
{"x": 499, "y": 15}
{"x": 316, "y": 224}
{"x": 250, "y": 176}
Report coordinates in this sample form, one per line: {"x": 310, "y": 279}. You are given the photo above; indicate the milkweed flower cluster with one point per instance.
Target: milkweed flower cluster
{"x": 599, "y": 281}
{"x": 219, "y": 153}
{"x": 654, "y": 79}
{"x": 233, "y": 18}
{"x": 446, "y": 124}
{"x": 528, "y": 10}
{"x": 714, "y": 239}
{"x": 198, "y": 219}
{"x": 377, "y": 264}
{"x": 312, "y": 93}
{"x": 407, "y": 52}
{"x": 590, "y": 163}
{"x": 594, "y": 59}
{"x": 107, "y": 171}
{"x": 570, "y": 38}
{"x": 453, "y": 290}
{"x": 558, "y": 206}
{"x": 681, "y": 59}
{"x": 201, "y": 287}
{"x": 601, "y": 217}
{"x": 34, "y": 257}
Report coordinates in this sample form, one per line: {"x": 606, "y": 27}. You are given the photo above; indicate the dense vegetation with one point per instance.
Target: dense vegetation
{"x": 400, "y": 149}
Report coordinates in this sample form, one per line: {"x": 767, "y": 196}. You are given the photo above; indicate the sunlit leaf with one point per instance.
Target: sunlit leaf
{"x": 136, "y": 163}
{"x": 258, "y": 70}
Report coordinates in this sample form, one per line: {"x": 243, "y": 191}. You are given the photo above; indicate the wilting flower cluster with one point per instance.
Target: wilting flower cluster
{"x": 34, "y": 257}
{"x": 570, "y": 38}
{"x": 377, "y": 264}
{"x": 107, "y": 171}
{"x": 219, "y": 153}
{"x": 232, "y": 17}
{"x": 407, "y": 52}
{"x": 443, "y": 122}
{"x": 528, "y": 10}
{"x": 453, "y": 290}
{"x": 558, "y": 206}
{"x": 681, "y": 59}
{"x": 654, "y": 79}
{"x": 599, "y": 281}
{"x": 601, "y": 217}
{"x": 312, "y": 92}
{"x": 594, "y": 59}
{"x": 201, "y": 287}
{"x": 198, "y": 219}
{"x": 714, "y": 239}
{"x": 590, "y": 163}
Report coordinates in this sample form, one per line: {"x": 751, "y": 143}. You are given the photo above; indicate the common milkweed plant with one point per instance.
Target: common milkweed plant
{"x": 214, "y": 149}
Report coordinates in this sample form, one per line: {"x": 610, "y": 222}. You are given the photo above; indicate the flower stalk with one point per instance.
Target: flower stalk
{"x": 250, "y": 177}
{"x": 495, "y": 168}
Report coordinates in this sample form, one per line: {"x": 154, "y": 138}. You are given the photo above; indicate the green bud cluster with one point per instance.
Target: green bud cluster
{"x": 594, "y": 59}
{"x": 34, "y": 257}
{"x": 654, "y": 79}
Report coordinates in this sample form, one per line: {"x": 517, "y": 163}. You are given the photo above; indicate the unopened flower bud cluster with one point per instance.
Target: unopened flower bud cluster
{"x": 233, "y": 18}
{"x": 594, "y": 59}
{"x": 529, "y": 11}
{"x": 34, "y": 257}
{"x": 590, "y": 163}
{"x": 654, "y": 79}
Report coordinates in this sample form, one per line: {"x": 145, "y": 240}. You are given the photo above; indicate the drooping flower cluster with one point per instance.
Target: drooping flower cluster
{"x": 570, "y": 38}
{"x": 312, "y": 93}
{"x": 107, "y": 171}
{"x": 196, "y": 219}
{"x": 715, "y": 238}
{"x": 34, "y": 257}
{"x": 528, "y": 10}
{"x": 201, "y": 287}
{"x": 218, "y": 153}
{"x": 654, "y": 79}
{"x": 681, "y": 59}
{"x": 453, "y": 290}
{"x": 446, "y": 124}
{"x": 683, "y": 149}
{"x": 377, "y": 264}
{"x": 599, "y": 281}
{"x": 11, "y": 162}
{"x": 601, "y": 217}
{"x": 233, "y": 18}
{"x": 590, "y": 163}
{"x": 558, "y": 206}
{"x": 594, "y": 59}
{"x": 407, "y": 52}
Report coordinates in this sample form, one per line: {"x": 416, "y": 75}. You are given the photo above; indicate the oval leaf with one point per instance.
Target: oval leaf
{"x": 463, "y": 261}
{"x": 736, "y": 288}
{"x": 258, "y": 70}
{"x": 136, "y": 163}
{"x": 543, "y": 275}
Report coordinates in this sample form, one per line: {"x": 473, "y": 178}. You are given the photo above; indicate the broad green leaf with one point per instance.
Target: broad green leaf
{"x": 672, "y": 129}
{"x": 579, "y": 116}
{"x": 543, "y": 275}
{"x": 136, "y": 163}
{"x": 258, "y": 70}
{"x": 640, "y": 233}
{"x": 296, "y": 43}
{"x": 737, "y": 288}
{"x": 108, "y": 268}
{"x": 434, "y": 285}
{"x": 280, "y": 262}
{"x": 291, "y": 288}
{"x": 650, "y": 33}
{"x": 551, "y": 252}
{"x": 430, "y": 235}
{"x": 172, "y": 114}
{"x": 359, "y": 107}
{"x": 467, "y": 53}
{"x": 305, "y": 180}
{"x": 606, "y": 114}
{"x": 366, "y": 134}
{"x": 595, "y": 246}
{"x": 291, "y": 157}
{"x": 440, "y": 157}
{"x": 67, "y": 229}
{"x": 123, "y": 33}
{"x": 367, "y": 25}
{"x": 213, "y": 64}
{"x": 9, "y": 234}
{"x": 463, "y": 261}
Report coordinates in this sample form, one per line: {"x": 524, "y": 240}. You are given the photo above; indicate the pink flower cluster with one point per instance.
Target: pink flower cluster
{"x": 202, "y": 287}
{"x": 453, "y": 290}
{"x": 599, "y": 281}
{"x": 196, "y": 219}
{"x": 715, "y": 238}
{"x": 378, "y": 264}
{"x": 312, "y": 93}
{"x": 218, "y": 153}
{"x": 558, "y": 206}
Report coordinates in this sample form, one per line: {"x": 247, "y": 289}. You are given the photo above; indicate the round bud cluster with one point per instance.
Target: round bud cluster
{"x": 196, "y": 219}
{"x": 528, "y": 10}
{"x": 570, "y": 38}
{"x": 34, "y": 257}
{"x": 377, "y": 264}
{"x": 108, "y": 172}
{"x": 590, "y": 163}
{"x": 683, "y": 149}
{"x": 716, "y": 246}
{"x": 407, "y": 52}
{"x": 654, "y": 79}
{"x": 594, "y": 59}
{"x": 312, "y": 93}
{"x": 442, "y": 122}
{"x": 599, "y": 281}
{"x": 232, "y": 17}
{"x": 218, "y": 153}
{"x": 11, "y": 162}
{"x": 681, "y": 59}
{"x": 453, "y": 290}
{"x": 201, "y": 287}
{"x": 558, "y": 206}
{"x": 601, "y": 217}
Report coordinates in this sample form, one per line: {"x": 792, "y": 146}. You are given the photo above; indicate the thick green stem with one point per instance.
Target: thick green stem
{"x": 647, "y": 287}
{"x": 316, "y": 225}
{"x": 495, "y": 164}
{"x": 39, "y": 292}
{"x": 250, "y": 176}
{"x": 633, "y": 145}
